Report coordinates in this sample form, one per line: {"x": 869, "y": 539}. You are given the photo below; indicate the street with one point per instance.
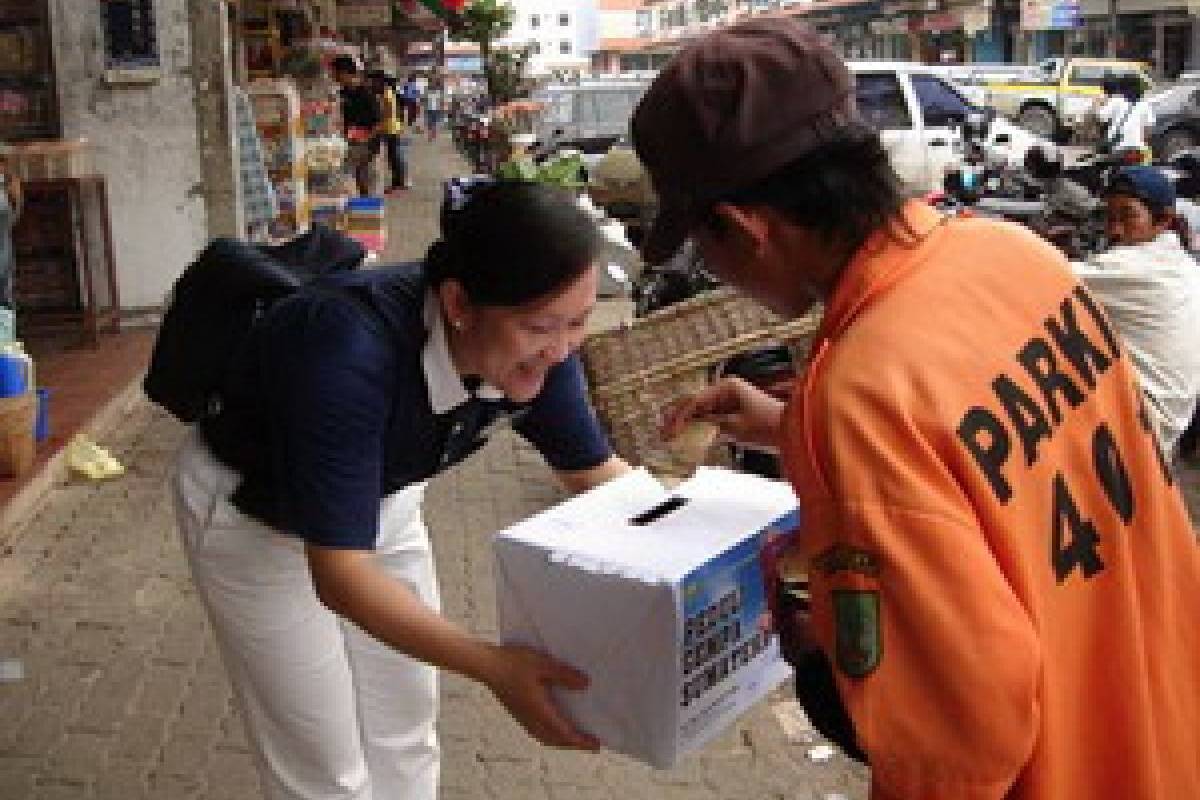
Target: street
{"x": 111, "y": 686}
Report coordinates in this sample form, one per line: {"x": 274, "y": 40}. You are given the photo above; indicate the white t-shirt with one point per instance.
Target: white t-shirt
{"x": 1126, "y": 125}
{"x": 1151, "y": 293}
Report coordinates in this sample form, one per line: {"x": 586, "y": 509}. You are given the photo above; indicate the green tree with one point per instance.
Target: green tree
{"x": 484, "y": 22}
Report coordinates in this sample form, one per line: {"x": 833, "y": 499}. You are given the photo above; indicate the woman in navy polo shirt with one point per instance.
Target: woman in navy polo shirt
{"x": 300, "y": 513}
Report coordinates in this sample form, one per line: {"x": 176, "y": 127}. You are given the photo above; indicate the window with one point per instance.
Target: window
{"x": 940, "y": 104}
{"x": 28, "y": 100}
{"x": 634, "y": 61}
{"x": 534, "y": 21}
{"x": 881, "y": 101}
{"x": 131, "y": 38}
{"x": 535, "y": 48}
{"x": 1090, "y": 76}
{"x": 645, "y": 22}
{"x": 564, "y": 47}
{"x": 1096, "y": 75}
{"x": 564, "y": 20}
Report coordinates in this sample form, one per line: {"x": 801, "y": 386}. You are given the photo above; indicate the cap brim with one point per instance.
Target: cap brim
{"x": 667, "y": 232}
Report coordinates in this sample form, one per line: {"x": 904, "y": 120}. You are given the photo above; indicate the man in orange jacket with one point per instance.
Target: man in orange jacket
{"x": 1004, "y": 577}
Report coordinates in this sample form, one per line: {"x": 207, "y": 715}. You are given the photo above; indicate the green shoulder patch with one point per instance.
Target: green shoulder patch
{"x": 858, "y": 632}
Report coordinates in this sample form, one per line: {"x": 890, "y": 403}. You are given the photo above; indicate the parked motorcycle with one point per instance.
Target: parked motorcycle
{"x": 1041, "y": 194}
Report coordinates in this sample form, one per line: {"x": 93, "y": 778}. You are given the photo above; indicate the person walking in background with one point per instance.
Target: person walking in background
{"x": 434, "y": 108}
{"x": 1003, "y": 575}
{"x": 1126, "y": 116}
{"x": 361, "y": 118}
{"x": 10, "y": 209}
{"x": 392, "y": 130}
{"x": 410, "y": 99}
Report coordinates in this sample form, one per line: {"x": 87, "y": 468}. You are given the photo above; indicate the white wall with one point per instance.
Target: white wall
{"x": 581, "y": 31}
{"x": 618, "y": 24}
{"x": 144, "y": 141}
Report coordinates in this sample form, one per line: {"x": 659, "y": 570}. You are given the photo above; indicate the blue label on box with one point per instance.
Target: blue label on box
{"x": 726, "y": 621}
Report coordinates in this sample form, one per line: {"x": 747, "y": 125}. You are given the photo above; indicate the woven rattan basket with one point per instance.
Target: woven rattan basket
{"x": 637, "y": 370}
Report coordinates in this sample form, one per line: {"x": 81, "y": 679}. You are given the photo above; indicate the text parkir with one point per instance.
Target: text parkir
{"x": 1065, "y": 365}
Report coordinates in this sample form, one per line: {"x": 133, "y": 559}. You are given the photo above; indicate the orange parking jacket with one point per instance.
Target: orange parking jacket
{"x": 1003, "y": 571}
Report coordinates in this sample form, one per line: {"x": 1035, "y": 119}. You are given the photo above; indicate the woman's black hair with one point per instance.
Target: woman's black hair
{"x": 512, "y": 243}
{"x": 843, "y": 190}
{"x": 380, "y": 79}
{"x": 344, "y": 64}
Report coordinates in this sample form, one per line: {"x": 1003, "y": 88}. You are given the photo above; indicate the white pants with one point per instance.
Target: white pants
{"x": 330, "y": 711}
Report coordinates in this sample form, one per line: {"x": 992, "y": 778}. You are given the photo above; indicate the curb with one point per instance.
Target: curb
{"x": 28, "y": 500}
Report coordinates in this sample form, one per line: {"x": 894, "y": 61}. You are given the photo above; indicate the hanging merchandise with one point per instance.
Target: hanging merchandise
{"x": 325, "y": 156}
{"x": 259, "y": 203}
{"x": 277, "y": 114}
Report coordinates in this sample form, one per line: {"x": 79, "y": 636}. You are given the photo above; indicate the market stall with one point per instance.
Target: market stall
{"x": 298, "y": 115}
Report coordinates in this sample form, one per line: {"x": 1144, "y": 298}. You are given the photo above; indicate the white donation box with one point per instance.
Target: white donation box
{"x": 658, "y": 596}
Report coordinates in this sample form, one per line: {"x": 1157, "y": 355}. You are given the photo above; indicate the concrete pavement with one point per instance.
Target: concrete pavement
{"x": 111, "y": 686}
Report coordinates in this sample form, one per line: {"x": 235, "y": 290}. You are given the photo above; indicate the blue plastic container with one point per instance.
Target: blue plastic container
{"x": 13, "y": 375}
{"x": 41, "y": 426}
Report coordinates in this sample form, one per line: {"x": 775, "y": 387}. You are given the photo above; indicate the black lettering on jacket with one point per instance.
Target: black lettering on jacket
{"x": 1027, "y": 416}
{"x": 1076, "y": 346}
{"x": 1100, "y": 320}
{"x": 1038, "y": 360}
{"x": 987, "y": 441}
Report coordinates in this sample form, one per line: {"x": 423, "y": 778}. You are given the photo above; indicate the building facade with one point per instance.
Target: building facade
{"x": 562, "y": 33}
{"x": 118, "y": 74}
{"x": 641, "y": 34}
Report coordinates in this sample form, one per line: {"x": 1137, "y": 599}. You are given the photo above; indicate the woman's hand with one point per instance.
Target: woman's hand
{"x": 521, "y": 679}
{"x": 743, "y": 412}
{"x": 351, "y": 584}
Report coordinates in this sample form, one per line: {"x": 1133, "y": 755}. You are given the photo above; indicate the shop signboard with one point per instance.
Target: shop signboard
{"x": 1049, "y": 15}
{"x": 364, "y": 13}
{"x": 976, "y": 19}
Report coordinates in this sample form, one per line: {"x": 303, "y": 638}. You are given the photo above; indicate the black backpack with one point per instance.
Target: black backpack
{"x": 213, "y": 308}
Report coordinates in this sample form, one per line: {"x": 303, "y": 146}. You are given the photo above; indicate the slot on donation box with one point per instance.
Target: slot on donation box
{"x": 658, "y": 596}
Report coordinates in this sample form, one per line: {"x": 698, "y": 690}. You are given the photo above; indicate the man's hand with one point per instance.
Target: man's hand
{"x": 744, "y": 413}
{"x": 521, "y": 679}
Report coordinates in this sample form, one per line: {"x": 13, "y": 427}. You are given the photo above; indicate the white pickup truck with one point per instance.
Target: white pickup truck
{"x": 918, "y": 114}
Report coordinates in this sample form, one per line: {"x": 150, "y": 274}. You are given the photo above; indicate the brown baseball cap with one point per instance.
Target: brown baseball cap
{"x": 728, "y": 110}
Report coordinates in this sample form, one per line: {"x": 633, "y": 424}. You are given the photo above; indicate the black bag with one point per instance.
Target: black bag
{"x": 215, "y": 304}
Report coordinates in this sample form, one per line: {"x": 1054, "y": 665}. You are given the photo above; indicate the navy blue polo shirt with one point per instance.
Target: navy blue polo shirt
{"x": 353, "y": 406}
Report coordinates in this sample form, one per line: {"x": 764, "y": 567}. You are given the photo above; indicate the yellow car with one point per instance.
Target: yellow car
{"x": 1057, "y": 96}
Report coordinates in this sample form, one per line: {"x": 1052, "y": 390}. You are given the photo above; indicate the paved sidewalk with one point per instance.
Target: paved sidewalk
{"x": 123, "y": 695}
